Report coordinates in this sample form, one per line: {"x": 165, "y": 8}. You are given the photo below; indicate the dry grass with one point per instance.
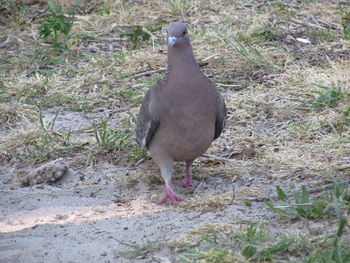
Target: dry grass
{"x": 211, "y": 202}
{"x": 266, "y": 112}
{"x": 264, "y": 79}
{"x": 12, "y": 113}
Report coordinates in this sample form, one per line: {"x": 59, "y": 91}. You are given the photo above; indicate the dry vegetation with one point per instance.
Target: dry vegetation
{"x": 282, "y": 67}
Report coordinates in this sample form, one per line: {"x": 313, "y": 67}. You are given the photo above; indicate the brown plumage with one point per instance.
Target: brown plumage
{"x": 180, "y": 115}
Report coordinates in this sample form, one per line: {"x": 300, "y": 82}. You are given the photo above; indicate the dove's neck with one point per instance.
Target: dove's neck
{"x": 181, "y": 60}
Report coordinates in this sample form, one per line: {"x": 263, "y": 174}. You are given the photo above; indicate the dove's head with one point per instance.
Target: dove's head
{"x": 177, "y": 35}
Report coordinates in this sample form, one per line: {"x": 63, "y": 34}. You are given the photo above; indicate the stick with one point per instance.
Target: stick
{"x": 329, "y": 24}
{"x": 227, "y": 85}
{"x": 304, "y": 23}
{"x": 148, "y": 73}
{"x": 215, "y": 158}
{"x": 343, "y": 166}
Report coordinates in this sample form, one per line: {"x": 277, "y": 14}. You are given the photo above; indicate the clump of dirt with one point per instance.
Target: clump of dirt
{"x": 46, "y": 173}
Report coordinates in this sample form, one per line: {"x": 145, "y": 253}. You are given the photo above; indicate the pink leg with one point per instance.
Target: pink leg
{"x": 187, "y": 182}
{"x": 169, "y": 194}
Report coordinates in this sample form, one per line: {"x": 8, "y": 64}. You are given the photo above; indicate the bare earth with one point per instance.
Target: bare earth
{"x": 66, "y": 195}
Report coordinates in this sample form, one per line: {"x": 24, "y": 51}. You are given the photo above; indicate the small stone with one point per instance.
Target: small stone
{"x": 61, "y": 217}
{"x": 290, "y": 39}
{"x": 303, "y": 40}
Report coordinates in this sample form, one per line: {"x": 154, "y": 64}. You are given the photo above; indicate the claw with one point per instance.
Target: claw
{"x": 169, "y": 194}
{"x": 173, "y": 198}
{"x": 187, "y": 182}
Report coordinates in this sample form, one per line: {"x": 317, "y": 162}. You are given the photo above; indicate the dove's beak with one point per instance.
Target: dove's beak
{"x": 172, "y": 41}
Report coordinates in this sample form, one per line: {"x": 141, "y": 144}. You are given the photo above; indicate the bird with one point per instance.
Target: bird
{"x": 181, "y": 114}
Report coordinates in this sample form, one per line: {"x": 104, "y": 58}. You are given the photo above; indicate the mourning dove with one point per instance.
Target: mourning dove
{"x": 181, "y": 114}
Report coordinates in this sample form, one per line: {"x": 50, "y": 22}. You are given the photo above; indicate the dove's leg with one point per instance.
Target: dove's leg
{"x": 166, "y": 173}
{"x": 187, "y": 182}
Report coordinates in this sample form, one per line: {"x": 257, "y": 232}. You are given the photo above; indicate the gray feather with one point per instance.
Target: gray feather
{"x": 147, "y": 124}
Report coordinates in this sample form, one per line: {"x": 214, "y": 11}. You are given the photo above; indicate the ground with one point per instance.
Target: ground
{"x": 75, "y": 188}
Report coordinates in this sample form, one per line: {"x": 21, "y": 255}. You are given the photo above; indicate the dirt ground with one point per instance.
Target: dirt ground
{"x": 66, "y": 195}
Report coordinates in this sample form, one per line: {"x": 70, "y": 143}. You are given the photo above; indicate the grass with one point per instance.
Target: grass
{"x": 39, "y": 145}
{"x": 57, "y": 25}
{"x": 109, "y": 139}
{"x": 223, "y": 243}
{"x": 329, "y": 96}
{"x": 299, "y": 129}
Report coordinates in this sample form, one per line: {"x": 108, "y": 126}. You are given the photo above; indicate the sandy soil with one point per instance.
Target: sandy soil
{"x": 68, "y": 222}
{"x": 89, "y": 215}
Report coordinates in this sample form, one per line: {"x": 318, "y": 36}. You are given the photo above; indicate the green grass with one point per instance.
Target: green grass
{"x": 109, "y": 139}
{"x": 328, "y": 96}
{"x": 57, "y": 26}
{"x": 47, "y": 144}
{"x": 345, "y": 15}
{"x": 58, "y": 99}
{"x": 252, "y": 55}
{"x": 323, "y": 35}
{"x": 258, "y": 242}
{"x": 302, "y": 205}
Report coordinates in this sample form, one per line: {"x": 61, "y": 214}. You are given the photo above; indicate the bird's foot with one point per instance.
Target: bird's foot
{"x": 170, "y": 195}
{"x": 187, "y": 182}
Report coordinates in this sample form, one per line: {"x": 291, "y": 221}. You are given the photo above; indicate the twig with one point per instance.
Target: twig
{"x": 207, "y": 58}
{"x": 140, "y": 161}
{"x": 343, "y": 166}
{"x": 329, "y": 24}
{"x": 292, "y": 205}
{"x": 215, "y": 158}
{"x": 111, "y": 39}
{"x": 227, "y": 85}
{"x": 304, "y": 23}
{"x": 148, "y": 73}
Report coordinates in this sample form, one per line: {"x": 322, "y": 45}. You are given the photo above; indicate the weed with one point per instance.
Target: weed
{"x": 109, "y": 139}
{"x": 346, "y": 24}
{"x": 4, "y": 96}
{"x": 249, "y": 53}
{"x": 328, "y": 96}
{"x": 252, "y": 55}
{"x": 104, "y": 10}
{"x": 45, "y": 61}
{"x": 283, "y": 9}
{"x": 139, "y": 251}
{"x": 346, "y": 115}
{"x": 264, "y": 34}
{"x": 43, "y": 144}
{"x": 323, "y": 35}
{"x": 57, "y": 26}
{"x": 301, "y": 206}
{"x": 87, "y": 35}
{"x": 119, "y": 58}
{"x": 131, "y": 95}
{"x": 253, "y": 245}
{"x": 137, "y": 35}
{"x": 138, "y": 154}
